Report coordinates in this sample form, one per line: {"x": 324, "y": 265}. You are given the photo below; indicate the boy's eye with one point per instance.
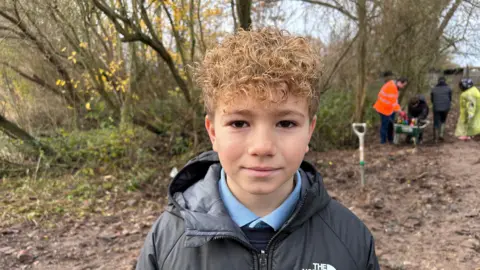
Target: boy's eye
{"x": 238, "y": 124}
{"x": 286, "y": 124}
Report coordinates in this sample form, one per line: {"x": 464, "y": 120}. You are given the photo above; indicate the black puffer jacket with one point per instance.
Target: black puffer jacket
{"x": 441, "y": 97}
{"x": 196, "y": 232}
{"x": 420, "y": 111}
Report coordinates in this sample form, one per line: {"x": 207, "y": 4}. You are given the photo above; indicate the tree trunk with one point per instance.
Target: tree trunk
{"x": 235, "y": 24}
{"x": 125, "y": 115}
{"x": 361, "y": 60}
{"x": 15, "y": 132}
{"x": 244, "y": 13}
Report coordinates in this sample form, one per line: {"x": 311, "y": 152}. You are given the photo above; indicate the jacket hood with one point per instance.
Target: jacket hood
{"x": 421, "y": 98}
{"x": 442, "y": 83}
{"x": 193, "y": 195}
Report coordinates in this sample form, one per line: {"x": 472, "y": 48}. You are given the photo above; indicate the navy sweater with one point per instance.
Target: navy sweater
{"x": 259, "y": 237}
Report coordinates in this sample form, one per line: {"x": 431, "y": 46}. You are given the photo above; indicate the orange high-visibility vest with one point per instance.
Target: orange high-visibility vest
{"x": 387, "y": 100}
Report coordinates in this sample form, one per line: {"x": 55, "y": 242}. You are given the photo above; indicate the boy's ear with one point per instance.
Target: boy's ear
{"x": 311, "y": 129}
{"x": 211, "y": 131}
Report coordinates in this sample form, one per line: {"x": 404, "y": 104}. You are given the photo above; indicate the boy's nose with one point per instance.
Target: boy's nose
{"x": 262, "y": 144}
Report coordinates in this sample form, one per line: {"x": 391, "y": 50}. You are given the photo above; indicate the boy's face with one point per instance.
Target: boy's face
{"x": 260, "y": 147}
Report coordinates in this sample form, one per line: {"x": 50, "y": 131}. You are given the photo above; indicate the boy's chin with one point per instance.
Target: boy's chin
{"x": 262, "y": 189}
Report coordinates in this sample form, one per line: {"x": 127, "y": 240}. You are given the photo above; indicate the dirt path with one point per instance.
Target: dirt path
{"x": 423, "y": 209}
{"x": 433, "y": 222}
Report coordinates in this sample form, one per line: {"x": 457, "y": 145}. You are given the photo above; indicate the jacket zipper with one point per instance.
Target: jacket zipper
{"x": 248, "y": 246}
{"x": 263, "y": 254}
{"x": 263, "y": 260}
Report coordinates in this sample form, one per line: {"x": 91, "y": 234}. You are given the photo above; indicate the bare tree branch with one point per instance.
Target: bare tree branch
{"x": 203, "y": 46}
{"x": 335, "y": 7}
{"x": 148, "y": 22}
{"x": 50, "y": 55}
{"x": 33, "y": 78}
{"x": 191, "y": 23}
{"x": 326, "y": 83}
{"x": 179, "y": 45}
{"x": 37, "y": 28}
{"x": 477, "y": 5}
{"x": 14, "y": 131}
{"x": 448, "y": 17}
{"x": 8, "y": 29}
{"x": 133, "y": 33}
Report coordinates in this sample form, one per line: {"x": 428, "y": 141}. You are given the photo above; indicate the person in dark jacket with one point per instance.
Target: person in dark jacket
{"x": 253, "y": 202}
{"x": 418, "y": 109}
{"x": 441, "y": 97}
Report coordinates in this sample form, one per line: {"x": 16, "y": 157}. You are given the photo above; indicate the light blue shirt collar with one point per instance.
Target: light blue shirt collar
{"x": 242, "y": 216}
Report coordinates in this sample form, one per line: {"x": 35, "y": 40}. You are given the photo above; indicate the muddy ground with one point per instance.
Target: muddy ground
{"x": 422, "y": 207}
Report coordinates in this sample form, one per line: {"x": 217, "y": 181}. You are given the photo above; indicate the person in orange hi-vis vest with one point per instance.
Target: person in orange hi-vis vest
{"x": 386, "y": 105}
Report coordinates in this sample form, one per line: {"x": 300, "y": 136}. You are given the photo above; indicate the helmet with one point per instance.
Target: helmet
{"x": 465, "y": 84}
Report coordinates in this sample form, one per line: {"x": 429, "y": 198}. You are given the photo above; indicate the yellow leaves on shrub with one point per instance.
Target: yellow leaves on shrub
{"x": 60, "y": 83}
{"x": 178, "y": 14}
{"x": 212, "y": 12}
{"x": 175, "y": 92}
{"x": 74, "y": 83}
{"x": 87, "y": 106}
{"x": 175, "y": 57}
{"x": 83, "y": 45}
{"x": 143, "y": 26}
{"x": 125, "y": 82}
{"x": 113, "y": 78}
{"x": 72, "y": 57}
{"x": 115, "y": 65}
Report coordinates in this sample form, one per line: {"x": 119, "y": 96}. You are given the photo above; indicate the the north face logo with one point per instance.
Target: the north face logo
{"x": 320, "y": 266}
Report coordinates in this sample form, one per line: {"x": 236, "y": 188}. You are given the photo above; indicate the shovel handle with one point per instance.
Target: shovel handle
{"x": 355, "y": 127}
{"x": 361, "y": 135}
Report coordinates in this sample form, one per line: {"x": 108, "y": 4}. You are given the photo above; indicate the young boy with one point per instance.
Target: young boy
{"x": 252, "y": 202}
{"x": 418, "y": 108}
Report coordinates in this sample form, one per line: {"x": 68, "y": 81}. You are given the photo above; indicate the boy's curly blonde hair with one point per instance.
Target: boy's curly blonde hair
{"x": 266, "y": 64}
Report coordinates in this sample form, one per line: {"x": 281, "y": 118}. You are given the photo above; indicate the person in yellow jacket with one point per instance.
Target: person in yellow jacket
{"x": 386, "y": 105}
{"x": 468, "y": 123}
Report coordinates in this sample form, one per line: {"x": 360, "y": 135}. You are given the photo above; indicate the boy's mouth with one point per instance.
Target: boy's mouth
{"x": 261, "y": 171}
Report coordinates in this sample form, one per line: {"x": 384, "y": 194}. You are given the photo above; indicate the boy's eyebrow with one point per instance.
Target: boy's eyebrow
{"x": 277, "y": 113}
{"x": 240, "y": 111}
{"x": 287, "y": 112}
